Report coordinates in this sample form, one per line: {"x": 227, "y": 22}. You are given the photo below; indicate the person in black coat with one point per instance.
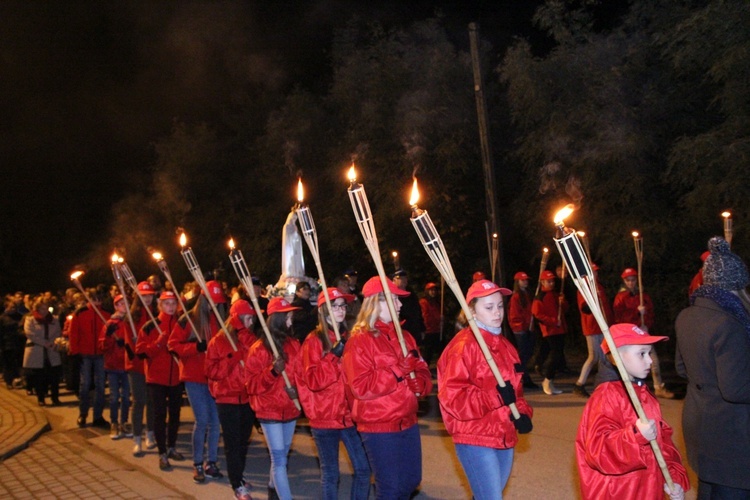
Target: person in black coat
{"x": 411, "y": 312}
{"x": 713, "y": 353}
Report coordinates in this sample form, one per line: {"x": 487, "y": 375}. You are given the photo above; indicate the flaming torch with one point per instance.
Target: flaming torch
{"x": 542, "y": 267}
{"x": 583, "y": 276}
{"x": 638, "y": 243}
{"x": 74, "y": 278}
{"x": 362, "y": 213}
{"x": 243, "y": 273}
{"x": 430, "y": 238}
{"x": 116, "y": 260}
{"x": 159, "y": 258}
{"x": 727, "y": 215}
{"x": 304, "y": 216}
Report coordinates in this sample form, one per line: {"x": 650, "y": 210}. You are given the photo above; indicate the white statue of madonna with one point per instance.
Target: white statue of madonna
{"x": 292, "y": 261}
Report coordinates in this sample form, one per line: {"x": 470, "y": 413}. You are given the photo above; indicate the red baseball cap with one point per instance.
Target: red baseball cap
{"x": 520, "y": 275}
{"x": 145, "y": 288}
{"x": 374, "y": 287}
{"x": 167, "y": 295}
{"x": 628, "y": 272}
{"x": 280, "y": 305}
{"x": 430, "y": 286}
{"x": 594, "y": 267}
{"x": 117, "y": 299}
{"x": 334, "y": 293}
{"x": 241, "y": 307}
{"x": 216, "y": 292}
{"x": 629, "y": 334}
{"x": 547, "y": 275}
{"x": 479, "y": 275}
{"x": 482, "y": 288}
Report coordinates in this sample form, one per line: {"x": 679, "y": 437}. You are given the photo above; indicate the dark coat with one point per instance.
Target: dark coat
{"x": 713, "y": 353}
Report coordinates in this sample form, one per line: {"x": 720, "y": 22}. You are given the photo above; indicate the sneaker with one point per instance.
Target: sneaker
{"x": 175, "y": 455}
{"x": 127, "y": 429}
{"x": 100, "y": 422}
{"x": 662, "y": 392}
{"x": 581, "y": 391}
{"x": 150, "y": 440}
{"x": 81, "y": 421}
{"x": 164, "y": 462}
{"x": 115, "y": 432}
{"x": 137, "y": 449}
{"x": 242, "y": 493}
{"x": 198, "y": 474}
{"x": 549, "y": 388}
{"x": 212, "y": 470}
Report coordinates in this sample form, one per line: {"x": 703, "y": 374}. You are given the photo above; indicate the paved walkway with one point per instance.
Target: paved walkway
{"x": 21, "y": 422}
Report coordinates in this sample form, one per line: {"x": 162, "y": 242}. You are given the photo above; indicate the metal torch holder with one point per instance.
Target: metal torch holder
{"x": 88, "y": 299}
{"x": 581, "y": 273}
{"x": 436, "y": 250}
{"x": 304, "y": 216}
{"x": 121, "y": 286}
{"x": 165, "y": 271}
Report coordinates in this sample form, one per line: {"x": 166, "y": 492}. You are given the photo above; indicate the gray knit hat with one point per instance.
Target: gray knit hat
{"x": 724, "y": 269}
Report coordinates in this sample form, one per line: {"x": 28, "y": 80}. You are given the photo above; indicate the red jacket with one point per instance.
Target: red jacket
{"x": 381, "y": 398}
{"x": 183, "y": 342}
{"x": 321, "y": 386}
{"x": 430, "y": 314}
{"x": 469, "y": 401}
{"x": 114, "y": 355}
{"x": 84, "y": 331}
{"x": 519, "y": 316}
{"x": 135, "y": 364}
{"x": 266, "y": 389}
{"x": 546, "y": 311}
{"x": 589, "y": 326}
{"x": 696, "y": 282}
{"x": 224, "y": 368}
{"x": 626, "y": 309}
{"x": 616, "y": 461}
{"x": 161, "y": 368}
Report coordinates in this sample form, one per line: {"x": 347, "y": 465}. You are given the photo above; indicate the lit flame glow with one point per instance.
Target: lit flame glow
{"x": 414, "y": 193}
{"x": 183, "y": 240}
{"x": 581, "y": 234}
{"x": 157, "y": 256}
{"x": 545, "y": 250}
{"x": 636, "y": 234}
{"x": 115, "y": 258}
{"x": 494, "y": 236}
{"x": 76, "y": 275}
{"x": 726, "y": 215}
{"x": 300, "y": 191}
{"x": 352, "y": 174}
{"x": 231, "y": 243}
{"x": 395, "y": 254}
{"x": 563, "y": 213}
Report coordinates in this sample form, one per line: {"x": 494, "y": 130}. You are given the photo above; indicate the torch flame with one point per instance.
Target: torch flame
{"x": 494, "y": 236}
{"x": 414, "y": 193}
{"x": 545, "y": 250}
{"x": 636, "y": 234}
{"x": 183, "y": 240}
{"x": 395, "y": 254}
{"x": 76, "y": 275}
{"x": 157, "y": 256}
{"x": 115, "y": 258}
{"x": 581, "y": 234}
{"x": 726, "y": 215}
{"x": 300, "y": 190}
{"x": 231, "y": 243}
{"x": 563, "y": 213}
{"x": 352, "y": 174}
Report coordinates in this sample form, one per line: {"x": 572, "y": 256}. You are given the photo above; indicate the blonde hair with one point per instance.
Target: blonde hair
{"x": 368, "y": 313}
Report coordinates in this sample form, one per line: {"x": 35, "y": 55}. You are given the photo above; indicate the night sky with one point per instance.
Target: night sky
{"x": 88, "y": 87}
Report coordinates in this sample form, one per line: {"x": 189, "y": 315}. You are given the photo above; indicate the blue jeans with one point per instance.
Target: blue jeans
{"x": 327, "y": 441}
{"x": 206, "y": 420}
{"x": 487, "y": 469}
{"x": 92, "y": 365}
{"x": 396, "y": 460}
{"x": 279, "y": 439}
{"x": 119, "y": 396}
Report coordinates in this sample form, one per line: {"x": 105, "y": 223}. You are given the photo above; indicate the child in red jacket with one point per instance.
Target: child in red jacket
{"x": 112, "y": 344}
{"x": 613, "y": 453}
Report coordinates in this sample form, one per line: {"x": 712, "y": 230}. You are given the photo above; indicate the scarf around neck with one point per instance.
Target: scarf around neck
{"x": 726, "y": 300}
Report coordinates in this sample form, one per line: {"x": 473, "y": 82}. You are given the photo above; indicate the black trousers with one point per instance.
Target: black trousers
{"x": 45, "y": 379}
{"x": 236, "y": 425}
{"x": 555, "y": 357}
{"x": 165, "y": 399}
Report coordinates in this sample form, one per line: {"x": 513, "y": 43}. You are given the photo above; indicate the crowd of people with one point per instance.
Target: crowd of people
{"x": 357, "y": 371}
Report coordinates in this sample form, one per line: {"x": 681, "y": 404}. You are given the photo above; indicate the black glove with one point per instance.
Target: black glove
{"x": 338, "y": 348}
{"x": 507, "y": 393}
{"x": 278, "y": 366}
{"x": 129, "y": 352}
{"x": 523, "y": 424}
{"x": 201, "y": 346}
{"x": 291, "y": 392}
{"x": 120, "y": 342}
